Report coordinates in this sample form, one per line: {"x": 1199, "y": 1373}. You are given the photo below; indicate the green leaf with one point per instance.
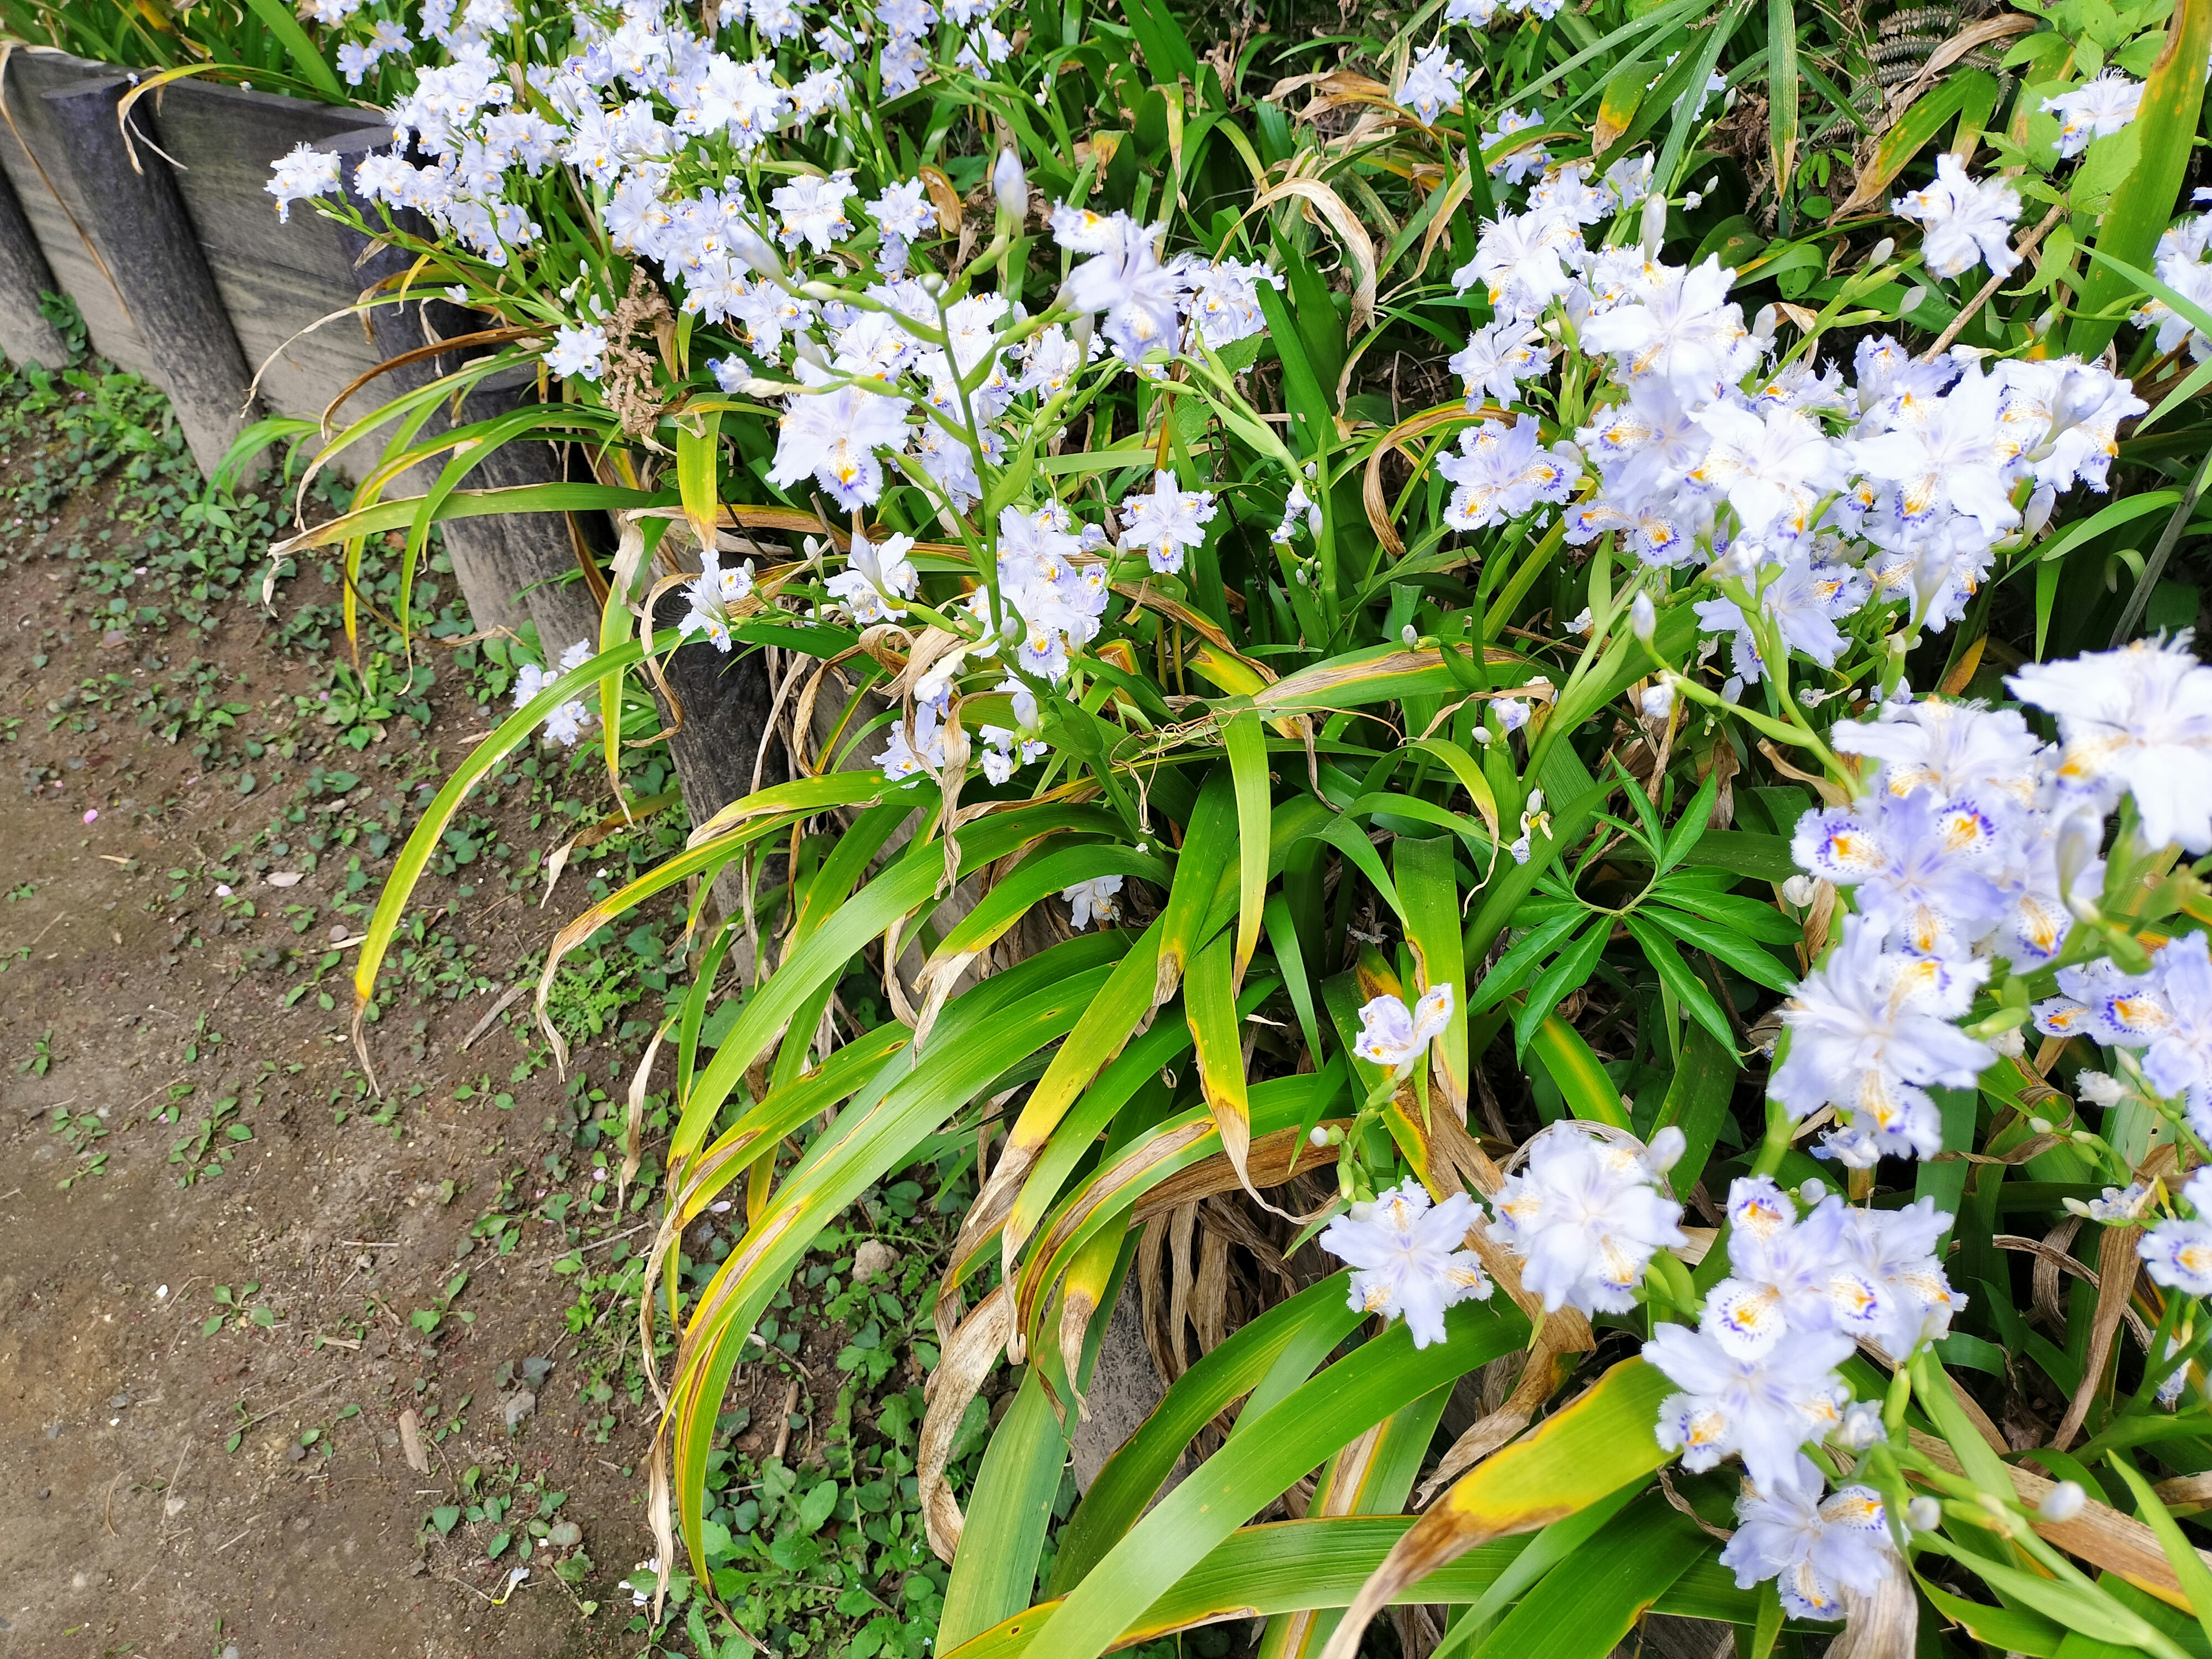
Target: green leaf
{"x": 1246, "y": 740}
{"x": 1428, "y": 884}
{"x": 2167, "y": 118}
{"x": 1308, "y": 1326}
{"x": 1697, "y": 1101}
{"x": 313, "y": 68}
{"x": 1589, "y": 1602}
{"x": 1782, "y": 89}
{"x": 1666, "y": 959}
{"x": 2188, "y": 1568}
{"x": 1569, "y": 973}
{"x": 1544, "y": 1552}
{"x": 698, "y": 453}
{"x": 1576, "y": 1071}
{"x": 1741, "y": 954}
{"x": 1335, "y": 1407}
{"x": 814, "y": 1508}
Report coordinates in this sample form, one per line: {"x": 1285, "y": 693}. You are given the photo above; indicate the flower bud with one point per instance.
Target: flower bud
{"x": 1408, "y": 636}
{"x": 1813, "y": 1191}
{"x": 1009, "y": 184}
{"x": 1655, "y": 225}
{"x": 1880, "y": 253}
{"x": 2063, "y": 1502}
{"x": 1658, "y": 702}
{"x": 1318, "y": 1138}
{"x": 2037, "y": 513}
{"x": 1923, "y": 1514}
{"x": 1862, "y": 1426}
{"x": 1642, "y": 618}
{"x": 1667, "y": 1149}
{"x": 753, "y": 251}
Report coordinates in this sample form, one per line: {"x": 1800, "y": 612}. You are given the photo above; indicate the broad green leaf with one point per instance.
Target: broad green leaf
{"x": 1581, "y": 1454}
{"x": 1567, "y": 1059}
{"x": 2167, "y": 118}
{"x": 1341, "y": 1403}
{"x": 1247, "y": 743}
{"x": 1131, "y": 1476}
{"x": 1428, "y": 883}
{"x": 1591, "y": 1601}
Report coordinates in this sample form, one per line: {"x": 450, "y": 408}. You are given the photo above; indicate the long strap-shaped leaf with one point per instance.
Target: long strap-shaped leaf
{"x": 1311, "y": 1322}
{"x": 1122, "y": 1181}
{"x": 1287, "y": 1565}
{"x": 1372, "y": 1476}
{"x": 1107, "y": 1026}
{"x": 1206, "y": 844}
{"x": 906, "y": 886}
{"x": 2167, "y": 118}
{"x": 988, "y": 1030}
{"x": 1254, "y": 1469}
{"x": 1591, "y": 1601}
{"x": 1591, "y": 1448}
{"x": 415, "y": 857}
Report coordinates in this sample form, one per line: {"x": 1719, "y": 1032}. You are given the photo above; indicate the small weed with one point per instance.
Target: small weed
{"x": 209, "y": 1149}
{"x": 42, "y": 1055}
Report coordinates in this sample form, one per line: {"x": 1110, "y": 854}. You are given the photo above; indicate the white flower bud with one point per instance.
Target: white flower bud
{"x": 2063, "y": 1502}
{"x": 1408, "y": 636}
{"x": 754, "y": 252}
{"x": 1319, "y": 1137}
{"x": 2037, "y": 513}
{"x": 1880, "y": 251}
{"x": 1812, "y": 1191}
{"x": 1923, "y": 1514}
{"x": 2099, "y": 1088}
{"x": 1655, "y": 225}
{"x": 1862, "y": 1426}
{"x": 1667, "y": 1149}
{"x": 1800, "y": 891}
{"x": 1658, "y": 702}
{"x": 1009, "y": 184}
{"x": 1642, "y": 618}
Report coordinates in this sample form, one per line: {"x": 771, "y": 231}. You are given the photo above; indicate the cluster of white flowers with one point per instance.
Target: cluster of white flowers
{"x": 1817, "y": 506}
{"x": 2166, "y": 1013}
{"x": 1585, "y": 1214}
{"x": 568, "y": 720}
{"x": 1758, "y": 1375}
{"x": 301, "y": 175}
{"x": 712, "y": 593}
{"x": 1814, "y": 1547}
{"x": 1978, "y": 844}
{"x": 1408, "y": 1259}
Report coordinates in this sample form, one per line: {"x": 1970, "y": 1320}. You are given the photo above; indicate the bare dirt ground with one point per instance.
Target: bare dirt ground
{"x": 226, "y": 1272}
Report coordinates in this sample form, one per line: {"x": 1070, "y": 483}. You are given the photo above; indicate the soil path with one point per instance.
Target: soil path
{"x": 226, "y": 1275}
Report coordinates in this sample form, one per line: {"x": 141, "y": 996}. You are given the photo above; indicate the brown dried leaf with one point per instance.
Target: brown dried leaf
{"x": 2117, "y": 1267}
{"x": 965, "y": 1362}
{"x": 410, "y": 1441}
